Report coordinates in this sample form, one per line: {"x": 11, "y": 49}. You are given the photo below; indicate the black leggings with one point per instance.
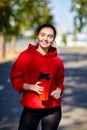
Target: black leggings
{"x": 30, "y": 118}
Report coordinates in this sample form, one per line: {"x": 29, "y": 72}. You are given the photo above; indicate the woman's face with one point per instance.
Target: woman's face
{"x": 45, "y": 37}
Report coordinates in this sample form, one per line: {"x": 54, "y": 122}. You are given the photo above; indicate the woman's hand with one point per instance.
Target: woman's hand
{"x": 56, "y": 93}
{"x": 33, "y": 87}
{"x": 37, "y": 88}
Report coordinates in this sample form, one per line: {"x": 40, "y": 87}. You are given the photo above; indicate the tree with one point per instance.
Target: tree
{"x": 33, "y": 13}
{"x": 19, "y": 15}
{"x": 64, "y": 38}
{"x": 5, "y": 12}
{"x": 80, "y": 19}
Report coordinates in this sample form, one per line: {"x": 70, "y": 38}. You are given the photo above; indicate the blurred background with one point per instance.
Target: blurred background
{"x": 19, "y": 20}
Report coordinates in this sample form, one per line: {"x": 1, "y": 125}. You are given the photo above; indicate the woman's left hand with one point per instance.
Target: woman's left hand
{"x": 56, "y": 93}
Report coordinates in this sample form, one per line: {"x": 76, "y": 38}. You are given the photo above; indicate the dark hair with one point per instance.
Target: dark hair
{"x": 48, "y": 26}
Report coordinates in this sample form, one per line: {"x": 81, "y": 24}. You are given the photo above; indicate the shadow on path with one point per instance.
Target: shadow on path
{"x": 75, "y": 97}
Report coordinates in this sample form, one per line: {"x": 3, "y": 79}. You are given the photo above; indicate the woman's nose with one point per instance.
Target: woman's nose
{"x": 45, "y": 38}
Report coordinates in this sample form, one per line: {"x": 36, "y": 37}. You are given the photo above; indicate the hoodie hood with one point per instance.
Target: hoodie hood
{"x": 51, "y": 53}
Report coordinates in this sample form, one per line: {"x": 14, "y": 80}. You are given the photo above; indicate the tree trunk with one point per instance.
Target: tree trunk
{"x": 13, "y": 42}
{"x": 3, "y": 45}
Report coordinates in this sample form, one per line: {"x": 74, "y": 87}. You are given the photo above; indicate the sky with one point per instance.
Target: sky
{"x": 62, "y": 15}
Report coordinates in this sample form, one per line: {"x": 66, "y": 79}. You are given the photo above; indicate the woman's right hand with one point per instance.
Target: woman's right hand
{"x": 33, "y": 87}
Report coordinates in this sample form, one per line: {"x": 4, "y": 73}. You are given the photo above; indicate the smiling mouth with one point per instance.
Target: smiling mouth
{"x": 44, "y": 42}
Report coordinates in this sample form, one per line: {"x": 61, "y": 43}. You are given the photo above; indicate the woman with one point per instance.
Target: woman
{"x": 38, "y": 73}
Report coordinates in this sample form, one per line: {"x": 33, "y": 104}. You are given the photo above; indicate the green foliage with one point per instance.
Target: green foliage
{"x": 19, "y": 15}
{"x": 64, "y": 38}
{"x": 5, "y": 12}
{"x": 80, "y": 8}
{"x": 35, "y": 14}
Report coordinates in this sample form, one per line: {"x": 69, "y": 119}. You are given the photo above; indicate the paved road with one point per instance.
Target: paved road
{"x": 74, "y": 104}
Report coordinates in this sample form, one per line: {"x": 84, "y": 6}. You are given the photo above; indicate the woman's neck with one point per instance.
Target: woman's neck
{"x": 42, "y": 51}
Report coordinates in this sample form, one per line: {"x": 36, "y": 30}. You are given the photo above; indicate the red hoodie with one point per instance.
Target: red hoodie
{"x": 26, "y": 69}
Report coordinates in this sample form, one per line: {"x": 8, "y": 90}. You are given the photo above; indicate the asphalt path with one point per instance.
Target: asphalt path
{"x": 74, "y": 104}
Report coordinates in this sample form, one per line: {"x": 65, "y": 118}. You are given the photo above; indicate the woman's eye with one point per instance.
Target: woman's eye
{"x": 50, "y": 36}
{"x": 42, "y": 34}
